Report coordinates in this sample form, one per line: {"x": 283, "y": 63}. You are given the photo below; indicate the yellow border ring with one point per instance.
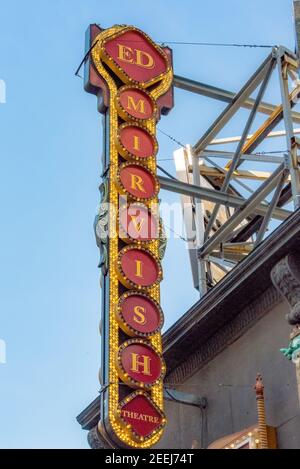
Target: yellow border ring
{"x": 123, "y": 373}
{"x": 125, "y": 114}
{"x": 121, "y": 275}
{"x": 129, "y": 329}
{"x": 123, "y": 191}
{"x": 126, "y": 153}
{"x": 124, "y": 235}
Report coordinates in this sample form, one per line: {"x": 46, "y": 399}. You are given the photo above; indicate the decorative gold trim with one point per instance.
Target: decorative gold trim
{"x": 125, "y": 152}
{"x": 125, "y": 115}
{"x": 128, "y": 428}
{"x": 118, "y": 70}
{"x": 156, "y": 341}
{"x": 123, "y": 191}
{"x": 129, "y": 329}
{"x": 126, "y": 281}
{"x": 133, "y": 383}
{"x": 125, "y": 236}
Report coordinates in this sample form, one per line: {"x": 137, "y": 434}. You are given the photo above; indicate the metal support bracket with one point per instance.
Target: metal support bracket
{"x": 185, "y": 398}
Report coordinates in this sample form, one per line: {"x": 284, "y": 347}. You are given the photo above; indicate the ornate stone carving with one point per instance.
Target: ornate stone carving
{"x": 95, "y": 440}
{"x": 162, "y": 240}
{"x": 285, "y": 276}
{"x": 101, "y": 227}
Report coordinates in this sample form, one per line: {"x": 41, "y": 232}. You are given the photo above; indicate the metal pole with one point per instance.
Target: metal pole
{"x": 272, "y": 205}
{"x": 263, "y": 158}
{"x": 226, "y": 96}
{"x": 264, "y": 130}
{"x": 235, "y": 160}
{"x": 233, "y": 107}
{"x": 245, "y": 186}
{"x": 296, "y": 5}
{"x": 276, "y": 133}
{"x": 199, "y": 222}
{"x": 226, "y": 229}
{"x": 211, "y": 195}
{"x": 187, "y": 202}
{"x": 290, "y": 138}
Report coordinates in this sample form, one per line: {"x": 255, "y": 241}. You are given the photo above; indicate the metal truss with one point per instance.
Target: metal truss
{"x": 228, "y": 209}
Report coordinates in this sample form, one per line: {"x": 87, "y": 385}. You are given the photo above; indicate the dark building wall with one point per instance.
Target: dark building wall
{"x": 227, "y": 383}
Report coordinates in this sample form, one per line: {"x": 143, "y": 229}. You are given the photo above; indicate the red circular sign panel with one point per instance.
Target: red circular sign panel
{"x": 138, "y": 181}
{"x": 139, "y": 314}
{"x": 137, "y": 223}
{"x": 141, "y": 363}
{"x": 136, "y": 141}
{"x": 144, "y": 417}
{"x": 137, "y": 56}
{"x": 135, "y": 103}
{"x": 139, "y": 267}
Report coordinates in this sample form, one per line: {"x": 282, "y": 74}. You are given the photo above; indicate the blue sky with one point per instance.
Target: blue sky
{"x": 50, "y": 150}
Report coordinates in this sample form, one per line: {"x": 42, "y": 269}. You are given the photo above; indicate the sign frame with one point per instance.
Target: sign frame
{"x": 100, "y": 79}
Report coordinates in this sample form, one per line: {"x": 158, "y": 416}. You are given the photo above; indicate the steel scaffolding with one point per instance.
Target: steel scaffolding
{"x": 237, "y": 222}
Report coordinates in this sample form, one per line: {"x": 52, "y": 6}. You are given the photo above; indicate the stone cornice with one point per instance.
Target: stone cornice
{"x": 89, "y": 417}
{"x": 286, "y": 279}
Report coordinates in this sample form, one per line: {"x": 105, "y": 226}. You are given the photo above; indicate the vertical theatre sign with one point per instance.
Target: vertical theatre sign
{"x": 132, "y": 78}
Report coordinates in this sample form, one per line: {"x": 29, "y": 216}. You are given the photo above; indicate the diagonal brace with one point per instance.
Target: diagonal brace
{"x": 248, "y": 208}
